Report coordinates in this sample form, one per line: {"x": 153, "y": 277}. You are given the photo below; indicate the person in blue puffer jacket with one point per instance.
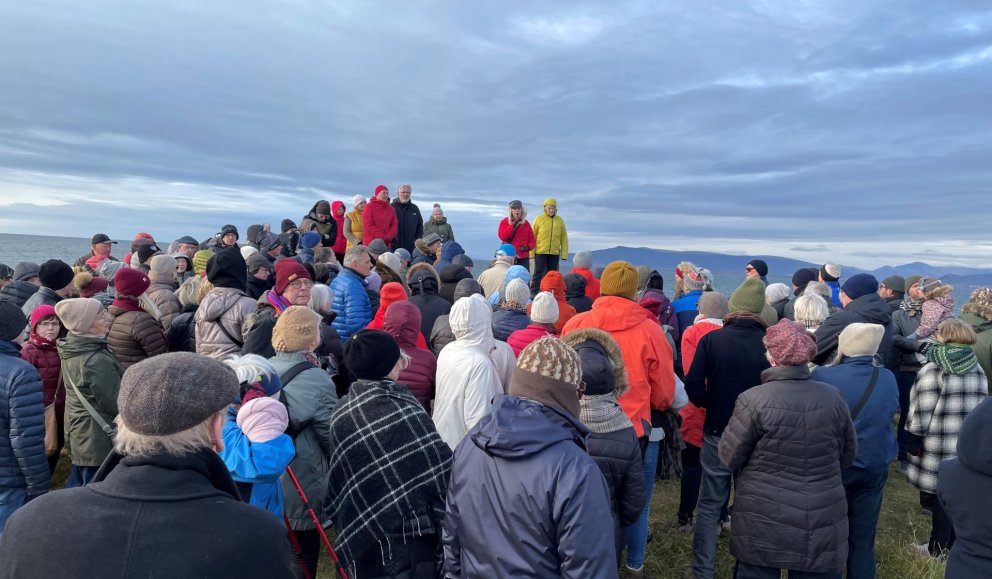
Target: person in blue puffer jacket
{"x": 449, "y": 250}
{"x": 23, "y": 466}
{"x": 351, "y": 302}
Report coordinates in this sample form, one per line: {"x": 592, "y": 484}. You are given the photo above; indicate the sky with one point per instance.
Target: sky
{"x": 851, "y": 131}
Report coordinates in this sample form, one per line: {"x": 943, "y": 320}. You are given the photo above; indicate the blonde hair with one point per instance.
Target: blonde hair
{"x": 195, "y": 439}
{"x": 189, "y": 292}
{"x": 955, "y": 331}
{"x": 205, "y": 287}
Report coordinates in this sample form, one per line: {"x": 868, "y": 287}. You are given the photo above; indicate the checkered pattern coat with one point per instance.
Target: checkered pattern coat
{"x": 938, "y": 404}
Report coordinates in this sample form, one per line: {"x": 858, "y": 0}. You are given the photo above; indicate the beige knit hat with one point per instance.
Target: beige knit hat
{"x": 549, "y": 371}
{"x": 78, "y": 314}
{"x": 860, "y": 339}
{"x": 297, "y": 330}
{"x": 162, "y": 268}
{"x": 544, "y": 310}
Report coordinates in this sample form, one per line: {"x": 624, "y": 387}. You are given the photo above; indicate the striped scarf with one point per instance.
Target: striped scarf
{"x": 955, "y": 359}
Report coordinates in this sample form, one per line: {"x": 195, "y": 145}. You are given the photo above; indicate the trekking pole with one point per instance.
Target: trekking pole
{"x": 316, "y": 521}
{"x": 297, "y": 548}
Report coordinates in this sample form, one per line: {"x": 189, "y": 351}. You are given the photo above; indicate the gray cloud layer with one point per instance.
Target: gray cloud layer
{"x": 850, "y": 129}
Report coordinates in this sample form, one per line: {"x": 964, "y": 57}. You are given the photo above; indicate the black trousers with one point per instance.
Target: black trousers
{"x": 543, "y": 263}
{"x": 523, "y": 262}
{"x": 942, "y": 533}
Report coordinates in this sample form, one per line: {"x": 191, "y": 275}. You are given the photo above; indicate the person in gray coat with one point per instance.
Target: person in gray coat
{"x": 789, "y": 440}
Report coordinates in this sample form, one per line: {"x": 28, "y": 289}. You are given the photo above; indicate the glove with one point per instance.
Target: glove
{"x": 915, "y": 445}
{"x": 922, "y": 347}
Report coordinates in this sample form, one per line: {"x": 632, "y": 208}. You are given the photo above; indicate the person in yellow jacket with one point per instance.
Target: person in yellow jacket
{"x": 552, "y": 243}
{"x": 353, "y": 222}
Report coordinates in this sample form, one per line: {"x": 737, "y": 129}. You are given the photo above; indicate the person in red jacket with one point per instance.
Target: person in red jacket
{"x": 543, "y": 316}
{"x": 41, "y": 352}
{"x": 403, "y": 323}
{"x": 390, "y": 294}
{"x": 582, "y": 265}
{"x": 379, "y": 218}
{"x": 341, "y": 243}
{"x": 516, "y": 230}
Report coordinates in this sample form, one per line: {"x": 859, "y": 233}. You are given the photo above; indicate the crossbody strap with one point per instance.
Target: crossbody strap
{"x": 108, "y": 429}
{"x": 867, "y": 394}
{"x": 226, "y": 332}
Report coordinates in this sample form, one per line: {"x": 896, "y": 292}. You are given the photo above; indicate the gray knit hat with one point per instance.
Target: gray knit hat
{"x": 378, "y": 246}
{"x": 173, "y": 392}
{"x": 582, "y": 259}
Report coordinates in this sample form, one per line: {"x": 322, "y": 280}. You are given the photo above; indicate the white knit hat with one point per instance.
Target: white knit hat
{"x": 544, "y": 310}
{"x": 357, "y": 199}
{"x": 776, "y": 292}
{"x": 517, "y": 292}
{"x": 860, "y": 339}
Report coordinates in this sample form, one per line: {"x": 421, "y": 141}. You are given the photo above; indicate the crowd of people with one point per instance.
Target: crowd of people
{"x": 223, "y": 406}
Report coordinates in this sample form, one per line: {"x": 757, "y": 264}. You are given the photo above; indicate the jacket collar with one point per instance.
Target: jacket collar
{"x": 777, "y": 373}
{"x": 162, "y": 477}
{"x": 8, "y": 348}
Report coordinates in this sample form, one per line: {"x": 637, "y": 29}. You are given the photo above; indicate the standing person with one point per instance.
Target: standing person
{"x": 861, "y": 303}
{"x": 789, "y": 440}
{"x": 552, "y": 243}
{"x": 727, "y": 362}
{"x": 22, "y": 285}
{"x": 353, "y": 223}
{"x": 441, "y": 334}
{"x": 492, "y": 278}
{"x": 575, "y": 293}
{"x": 6, "y": 275}
{"x": 379, "y": 218}
{"x": 554, "y": 282}
{"x": 22, "y": 436}
{"x": 293, "y": 288}
{"x": 351, "y": 302}
{"x": 341, "y": 241}
{"x": 100, "y": 248}
{"x": 289, "y": 237}
{"x": 757, "y": 268}
{"x": 978, "y": 314}
{"x": 893, "y": 289}
{"x": 582, "y": 265}
{"x": 187, "y": 245}
{"x": 134, "y": 333}
{"x": 310, "y": 398}
{"x": 320, "y": 221}
{"x": 181, "y": 336}
{"x": 260, "y": 277}
{"x": 387, "y": 507}
{"x": 162, "y": 291}
{"x": 653, "y": 287}
{"x": 409, "y": 221}
{"x": 223, "y": 311}
{"x": 41, "y": 351}
{"x": 777, "y": 296}
{"x": 56, "y": 285}
{"x": 515, "y": 230}
{"x": 402, "y": 322}
{"x": 872, "y": 396}
{"x": 687, "y": 305}
{"x": 830, "y": 274}
{"x": 424, "y": 286}
{"x": 228, "y": 237}
{"x": 511, "y": 313}
{"x": 89, "y": 370}
{"x": 811, "y": 310}
{"x": 163, "y": 502}
{"x": 525, "y": 470}
{"x": 904, "y": 346}
{"x": 800, "y": 279}
{"x": 438, "y": 224}
{"x": 947, "y": 388}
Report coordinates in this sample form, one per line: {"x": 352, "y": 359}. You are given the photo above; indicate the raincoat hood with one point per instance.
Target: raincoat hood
{"x": 975, "y": 439}
{"x": 518, "y": 428}
{"x": 402, "y": 322}
{"x": 471, "y": 322}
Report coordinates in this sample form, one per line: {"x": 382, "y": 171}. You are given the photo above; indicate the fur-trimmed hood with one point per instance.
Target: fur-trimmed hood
{"x": 612, "y": 351}
{"x": 422, "y": 279}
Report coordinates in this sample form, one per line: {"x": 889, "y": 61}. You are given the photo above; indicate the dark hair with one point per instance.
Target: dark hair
{"x": 655, "y": 281}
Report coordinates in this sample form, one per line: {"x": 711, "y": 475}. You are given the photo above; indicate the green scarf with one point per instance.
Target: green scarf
{"x": 957, "y": 359}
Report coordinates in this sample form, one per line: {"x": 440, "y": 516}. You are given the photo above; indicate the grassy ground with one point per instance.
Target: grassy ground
{"x": 669, "y": 555}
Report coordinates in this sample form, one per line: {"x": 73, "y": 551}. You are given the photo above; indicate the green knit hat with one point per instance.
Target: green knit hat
{"x": 748, "y": 297}
{"x": 957, "y": 359}
{"x": 200, "y": 259}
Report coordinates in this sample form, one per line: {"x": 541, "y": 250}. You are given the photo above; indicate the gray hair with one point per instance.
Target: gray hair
{"x": 321, "y": 299}
{"x": 811, "y": 308}
{"x": 251, "y": 367}
{"x": 402, "y": 185}
{"x": 189, "y": 441}
{"x": 352, "y": 255}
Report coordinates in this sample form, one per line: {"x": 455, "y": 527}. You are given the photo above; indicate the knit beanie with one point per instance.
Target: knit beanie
{"x": 859, "y": 339}
{"x": 256, "y": 262}
{"x": 429, "y": 239}
{"x": 544, "y": 310}
{"x": 517, "y": 292}
{"x": 979, "y": 303}
{"x": 173, "y": 392}
{"x": 227, "y": 268}
{"x": 373, "y": 281}
{"x": 25, "y": 270}
{"x": 89, "y": 285}
{"x": 788, "y": 343}
{"x": 548, "y": 371}
{"x": 323, "y": 208}
{"x": 403, "y": 254}
{"x": 162, "y": 268}
{"x": 297, "y": 329}
{"x": 78, "y": 314}
{"x": 713, "y": 305}
{"x": 582, "y": 259}
{"x": 895, "y": 283}
{"x": 229, "y": 229}
{"x": 39, "y": 313}
{"x": 55, "y": 274}
{"x": 912, "y": 280}
{"x": 371, "y": 354}
{"x": 391, "y": 293}
{"x": 248, "y": 251}
{"x": 288, "y": 271}
{"x": 12, "y": 321}
{"x": 554, "y": 282}
{"x": 146, "y": 252}
{"x": 200, "y": 259}
{"x": 748, "y": 297}
{"x": 619, "y": 279}
{"x": 379, "y": 189}
{"x": 130, "y": 283}
{"x": 463, "y": 260}
{"x": 759, "y": 266}
{"x": 691, "y": 278}
{"x": 358, "y": 199}
{"x": 803, "y": 276}
{"x": 467, "y": 287}
{"x": 830, "y": 271}
{"x": 777, "y": 292}
{"x": 859, "y": 284}
{"x": 517, "y": 272}
{"x": 378, "y": 246}
{"x": 391, "y": 261}
{"x": 310, "y": 239}
{"x": 263, "y": 419}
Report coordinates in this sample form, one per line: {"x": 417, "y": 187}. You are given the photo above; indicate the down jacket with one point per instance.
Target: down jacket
{"x": 88, "y": 363}
{"x": 552, "y": 237}
{"x": 520, "y": 339}
{"x": 424, "y": 284}
{"x": 44, "y": 356}
{"x": 378, "y": 222}
{"x": 23, "y": 464}
{"x": 181, "y": 334}
{"x": 223, "y": 305}
{"x": 403, "y": 323}
{"x": 163, "y": 295}
{"x": 788, "y": 440}
{"x": 134, "y": 334}
{"x": 524, "y": 470}
{"x": 17, "y": 292}
{"x": 520, "y": 236}
{"x": 507, "y": 320}
{"x": 351, "y": 303}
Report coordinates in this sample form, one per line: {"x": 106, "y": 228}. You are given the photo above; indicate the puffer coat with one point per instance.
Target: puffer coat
{"x": 789, "y": 439}
{"x": 163, "y": 295}
{"x": 403, "y": 323}
{"x": 508, "y": 320}
{"x": 88, "y": 363}
{"x": 17, "y": 292}
{"x": 223, "y": 305}
{"x": 134, "y": 334}
{"x": 424, "y": 284}
{"x": 23, "y": 464}
{"x": 44, "y": 356}
{"x": 351, "y": 303}
{"x": 520, "y": 339}
{"x": 181, "y": 334}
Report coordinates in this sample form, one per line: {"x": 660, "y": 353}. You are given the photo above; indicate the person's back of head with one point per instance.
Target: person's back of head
{"x": 321, "y": 299}
{"x": 811, "y": 309}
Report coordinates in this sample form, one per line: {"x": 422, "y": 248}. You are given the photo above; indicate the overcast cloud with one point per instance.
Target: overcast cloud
{"x": 849, "y": 130}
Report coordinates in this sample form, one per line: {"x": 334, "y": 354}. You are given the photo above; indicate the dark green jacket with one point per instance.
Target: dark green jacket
{"x": 441, "y": 228}
{"x": 88, "y": 364}
{"x": 982, "y": 348}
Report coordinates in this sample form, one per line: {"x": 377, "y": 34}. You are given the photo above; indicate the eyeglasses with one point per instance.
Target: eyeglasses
{"x": 49, "y": 324}
{"x": 581, "y": 390}
{"x": 301, "y": 283}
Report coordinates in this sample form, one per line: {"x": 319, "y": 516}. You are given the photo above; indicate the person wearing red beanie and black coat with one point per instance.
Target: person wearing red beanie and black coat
{"x": 134, "y": 333}
{"x": 293, "y": 285}
{"x": 402, "y": 322}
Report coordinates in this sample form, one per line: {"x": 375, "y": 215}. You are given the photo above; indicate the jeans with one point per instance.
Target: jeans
{"x": 80, "y": 476}
{"x": 637, "y": 534}
{"x": 715, "y": 492}
{"x": 748, "y": 571}
{"x": 864, "y": 502}
{"x": 10, "y": 501}
{"x": 905, "y": 381}
{"x": 543, "y": 263}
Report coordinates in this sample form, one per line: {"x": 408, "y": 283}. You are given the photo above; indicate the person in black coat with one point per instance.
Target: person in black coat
{"x": 861, "y": 304}
{"x": 450, "y": 276}
{"x": 424, "y": 284}
{"x": 156, "y": 506}
{"x": 409, "y": 221}
{"x": 575, "y": 293}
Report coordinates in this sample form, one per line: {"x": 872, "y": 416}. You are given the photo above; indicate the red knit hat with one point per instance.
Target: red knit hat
{"x": 379, "y": 188}
{"x": 96, "y": 285}
{"x": 41, "y": 312}
{"x": 554, "y": 282}
{"x": 288, "y": 271}
{"x": 130, "y": 282}
{"x": 789, "y": 344}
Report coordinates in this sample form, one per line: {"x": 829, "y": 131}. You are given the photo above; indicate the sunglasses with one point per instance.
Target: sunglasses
{"x": 749, "y": 268}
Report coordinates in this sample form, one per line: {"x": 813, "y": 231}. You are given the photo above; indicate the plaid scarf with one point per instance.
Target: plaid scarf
{"x": 389, "y": 470}
{"x": 955, "y": 359}
{"x": 601, "y": 413}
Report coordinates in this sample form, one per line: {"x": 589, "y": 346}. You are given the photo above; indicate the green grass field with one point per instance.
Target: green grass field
{"x": 669, "y": 555}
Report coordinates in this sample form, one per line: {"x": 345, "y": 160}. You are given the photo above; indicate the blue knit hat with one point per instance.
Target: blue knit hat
{"x": 860, "y": 284}
{"x": 310, "y": 239}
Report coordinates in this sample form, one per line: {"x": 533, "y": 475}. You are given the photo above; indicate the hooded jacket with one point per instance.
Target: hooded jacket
{"x": 552, "y": 238}
{"x": 575, "y": 293}
{"x": 666, "y": 316}
{"x": 449, "y": 251}
{"x": 592, "y": 282}
{"x": 962, "y": 487}
{"x": 378, "y": 222}
{"x": 44, "y": 356}
{"x": 340, "y": 242}
{"x": 869, "y": 309}
{"x": 328, "y": 230}
{"x": 388, "y": 296}
{"x": 134, "y": 334}
{"x": 441, "y": 228}
{"x": 520, "y": 236}
{"x": 467, "y": 379}
{"x": 23, "y": 464}
{"x": 646, "y": 353}
{"x": 449, "y": 276}
{"x": 441, "y": 334}
{"x": 88, "y": 364}
{"x": 17, "y": 292}
{"x": 227, "y": 306}
{"x": 524, "y": 470}
{"x": 351, "y": 303}
{"x": 409, "y": 224}
{"x": 403, "y": 323}
{"x": 424, "y": 284}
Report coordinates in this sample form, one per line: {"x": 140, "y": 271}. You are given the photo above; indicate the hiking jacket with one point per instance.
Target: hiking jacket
{"x": 552, "y": 238}
{"x": 419, "y": 376}
{"x": 351, "y": 303}
{"x": 492, "y": 279}
{"x": 223, "y": 305}
{"x": 23, "y": 464}
{"x": 868, "y": 309}
{"x": 88, "y": 363}
{"x": 441, "y": 228}
{"x": 424, "y": 284}
{"x": 687, "y": 308}
{"x": 449, "y": 276}
{"x": 618, "y": 456}
{"x": 520, "y": 237}
{"x": 134, "y": 334}
{"x": 354, "y": 227}
{"x": 409, "y": 224}
{"x": 378, "y": 222}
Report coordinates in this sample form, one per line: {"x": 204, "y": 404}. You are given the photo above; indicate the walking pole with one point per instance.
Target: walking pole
{"x": 297, "y": 549}
{"x": 316, "y": 521}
